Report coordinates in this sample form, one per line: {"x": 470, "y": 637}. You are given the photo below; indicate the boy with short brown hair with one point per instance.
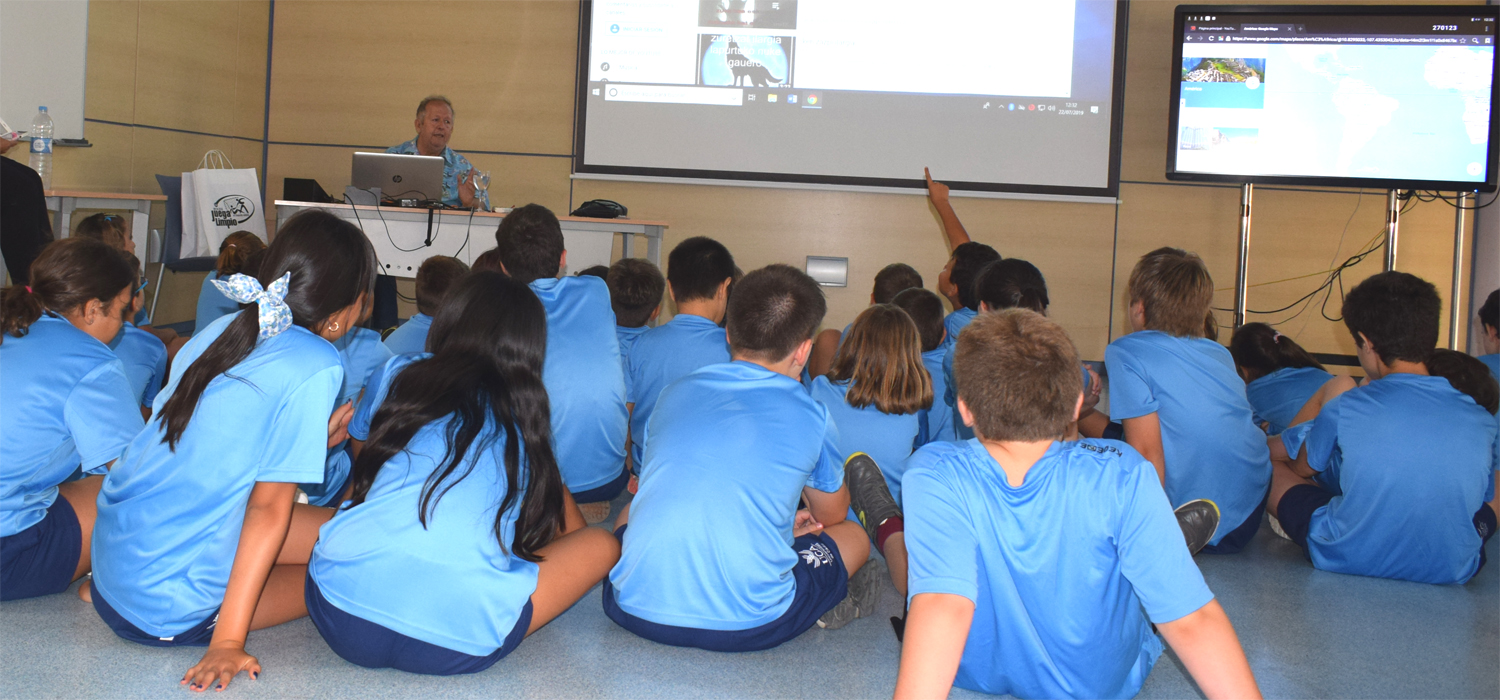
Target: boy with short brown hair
{"x": 1038, "y": 566}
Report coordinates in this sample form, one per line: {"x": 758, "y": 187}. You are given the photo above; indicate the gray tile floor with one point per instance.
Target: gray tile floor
{"x": 1308, "y": 634}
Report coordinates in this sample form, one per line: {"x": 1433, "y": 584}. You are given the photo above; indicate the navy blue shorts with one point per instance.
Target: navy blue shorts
{"x": 1236, "y": 539}
{"x": 1296, "y": 510}
{"x": 41, "y": 559}
{"x": 198, "y": 636}
{"x": 818, "y": 589}
{"x": 606, "y": 492}
{"x": 367, "y": 644}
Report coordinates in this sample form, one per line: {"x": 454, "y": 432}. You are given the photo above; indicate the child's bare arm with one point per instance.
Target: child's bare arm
{"x": 829, "y": 509}
{"x": 936, "y": 628}
{"x": 268, "y": 516}
{"x": 1208, "y": 647}
{"x": 1144, "y": 434}
{"x": 953, "y": 229}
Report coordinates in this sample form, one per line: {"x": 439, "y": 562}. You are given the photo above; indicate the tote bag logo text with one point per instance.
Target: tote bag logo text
{"x": 232, "y": 210}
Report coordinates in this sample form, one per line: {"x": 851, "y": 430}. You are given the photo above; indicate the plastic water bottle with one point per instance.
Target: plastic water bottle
{"x": 41, "y": 147}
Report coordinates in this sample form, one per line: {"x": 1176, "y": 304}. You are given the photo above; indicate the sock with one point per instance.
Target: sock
{"x": 890, "y": 527}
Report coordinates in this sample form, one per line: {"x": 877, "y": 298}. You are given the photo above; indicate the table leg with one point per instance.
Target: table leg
{"x": 627, "y": 245}
{"x": 653, "y": 244}
{"x": 140, "y": 221}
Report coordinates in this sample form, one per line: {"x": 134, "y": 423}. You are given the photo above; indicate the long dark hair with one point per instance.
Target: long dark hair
{"x": 332, "y": 266}
{"x": 488, "y": 343}
{"x": 1260, "y": 350}
{"x": 66, "y": 275}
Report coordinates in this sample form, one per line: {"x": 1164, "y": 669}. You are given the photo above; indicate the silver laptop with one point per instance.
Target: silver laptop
{"x": 399, "y": 176}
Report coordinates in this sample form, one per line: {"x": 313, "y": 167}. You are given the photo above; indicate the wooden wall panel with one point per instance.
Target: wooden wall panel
{"x": 103, "y": 168}
{"x": 186, "y": 75}
{"x": 254, "y": 25}
{"x": 109, "y": 78}
{"x": 353, "y": 73}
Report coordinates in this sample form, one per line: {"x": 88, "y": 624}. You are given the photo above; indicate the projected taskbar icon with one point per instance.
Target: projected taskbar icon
{"x": 1065, "y": 108}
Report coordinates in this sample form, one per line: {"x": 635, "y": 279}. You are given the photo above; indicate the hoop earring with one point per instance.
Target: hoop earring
{"x": 334, "y": 328}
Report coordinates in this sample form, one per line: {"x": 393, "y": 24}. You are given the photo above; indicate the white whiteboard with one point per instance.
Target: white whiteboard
{"x": 43, "y": 53}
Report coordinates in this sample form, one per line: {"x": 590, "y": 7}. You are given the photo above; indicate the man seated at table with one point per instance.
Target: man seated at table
{"x": 434, "y": 128}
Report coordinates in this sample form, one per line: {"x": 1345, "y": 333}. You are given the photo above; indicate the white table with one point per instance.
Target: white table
{"x": 404, "y": 237}
{"x": 62, "y": 204}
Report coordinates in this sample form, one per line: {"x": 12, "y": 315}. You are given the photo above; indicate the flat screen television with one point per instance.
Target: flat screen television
{"x": 1386, "y": 97}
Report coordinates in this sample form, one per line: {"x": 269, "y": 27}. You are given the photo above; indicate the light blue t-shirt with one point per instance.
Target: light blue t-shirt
{"x": 950, "y": 395}
{"x": 1413, "y": 458}
{"x": 627, "y": 335}
{"x": 956, "y": 322}
{"x": 665, "y": 354}
{"x": 940, "y": 416}
{"x": 361, "y": 351}
{"x": 212, "y": 304}
{"x": 411, "y": 336}
{"x": 65, "y": 401}
{"x": 729, "y": 449}
{"x": 585, "y": 381}
{"x": 887, "y": 438}
{"x": 169, "y": 522}
{"x": 449, "y": 583}
{"x": 1066, "y": 571}
{"x": 1213, "y": 448}
{"x": 1277, "y": 397}
{"x": 1493, "y": 362}
{"x": 145, "y": 359}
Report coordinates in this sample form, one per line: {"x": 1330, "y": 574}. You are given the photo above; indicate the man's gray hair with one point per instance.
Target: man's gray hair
{"x": 422, "y": 107}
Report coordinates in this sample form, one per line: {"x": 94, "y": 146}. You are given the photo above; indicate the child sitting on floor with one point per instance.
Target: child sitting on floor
{"x": 926, "y": 311}
{"x": 715, "y": 554}
{"x": 1037, "y": 566}
{"x": 1182, "y": 404}
{"x": 1280, "y": 377}
{"x": 890, "y": 281}
{"x": 434, "y": 277}
{"x": 635, "y": 290}
{"x": 144, "y": 355}
{"x": 1403, "y": 464}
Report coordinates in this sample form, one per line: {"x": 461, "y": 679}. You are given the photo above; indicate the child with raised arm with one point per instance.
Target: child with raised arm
{"x": 435, "y": 277}
{"x": 198, "y": 539}
{"x": 699, "y": 273}
{"x": 956, "y": 281}
{"x": 65, "y": 403}
{"x": 715, "y": 554}
{"x": 635, "y": 291}
{"x": 459, "y": 539}
{"x": 1038, "y": 567}
{"x": 585, "y": 380}
{"x": 1390, "y": 475}
{"x": 926, "y": 311}
{"x": 1182, "y": 404}
{"x": 1280, "y": 377}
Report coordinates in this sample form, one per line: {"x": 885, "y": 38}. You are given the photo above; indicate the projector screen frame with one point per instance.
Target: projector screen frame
{"x": 735, "y": 177}
{"x": 1174, "y": 106}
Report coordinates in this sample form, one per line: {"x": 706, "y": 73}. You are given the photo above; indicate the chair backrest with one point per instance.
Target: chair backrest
{"x": 171, "y": 248}
{"x": 203, "y": 264}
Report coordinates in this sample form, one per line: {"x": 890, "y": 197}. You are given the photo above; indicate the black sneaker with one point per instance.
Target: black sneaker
{"x": 1198, "y": 520}
{"x": 864, "y": 593}
{"x": 868, "y": 494}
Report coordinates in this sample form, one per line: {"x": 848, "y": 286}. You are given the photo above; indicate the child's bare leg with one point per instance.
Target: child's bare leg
{"x": 1283, "y": 479}
{"x": 282, "y": 599}
{"x": 895, "y": 561}
{"x": 83, "y": 496}
{"x": 570, "y": 567}
{"x": 853, "y": 543}
{"x": 572, "y": 516}
{"x": 302, "y": 534}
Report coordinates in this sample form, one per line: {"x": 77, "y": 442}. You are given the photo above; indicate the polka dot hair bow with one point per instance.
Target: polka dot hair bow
{"x": 275, "y": 315}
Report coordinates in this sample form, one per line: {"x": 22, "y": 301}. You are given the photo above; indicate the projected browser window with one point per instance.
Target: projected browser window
{"x": 981, "y": 91}
{"x": 1336, "y": 96}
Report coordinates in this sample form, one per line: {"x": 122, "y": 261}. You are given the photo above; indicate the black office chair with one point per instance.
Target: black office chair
{"x": 203, "y": 264}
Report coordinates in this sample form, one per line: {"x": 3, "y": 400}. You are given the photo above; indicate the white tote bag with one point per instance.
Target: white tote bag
{"x": 218, "y": 200}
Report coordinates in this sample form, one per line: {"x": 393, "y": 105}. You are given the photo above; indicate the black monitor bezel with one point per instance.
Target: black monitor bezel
{"x": 1492, "y": 170}
{"x": 1116, "y": 131}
